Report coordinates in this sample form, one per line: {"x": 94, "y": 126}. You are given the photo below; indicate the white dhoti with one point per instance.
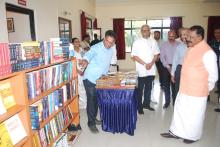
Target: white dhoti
{"x": 82, "y": 93}
{"x": 188, "y": 117}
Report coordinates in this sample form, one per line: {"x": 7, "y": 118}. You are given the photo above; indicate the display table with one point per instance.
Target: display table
{"x": 118, "y": 108}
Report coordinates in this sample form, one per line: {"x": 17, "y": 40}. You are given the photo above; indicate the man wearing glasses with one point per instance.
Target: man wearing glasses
{"x": 96, "y": 61}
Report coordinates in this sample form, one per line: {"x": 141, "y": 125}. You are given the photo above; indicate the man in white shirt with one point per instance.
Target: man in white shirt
{"x": 145, "y": 52}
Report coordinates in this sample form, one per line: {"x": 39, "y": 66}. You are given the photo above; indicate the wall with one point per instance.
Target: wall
{"x": 21, "y": 21}
{"x": 46, "y": 13}
{"x": 192, "y": 12}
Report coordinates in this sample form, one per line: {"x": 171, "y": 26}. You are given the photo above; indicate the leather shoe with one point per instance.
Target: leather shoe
{"x": 94, "y": 129}
{"x": 166, "y": 106}
{"x": 98, "y": 122}
{"x": 187, "y": 141}
{"x": 168, "y": 135}
{"x": 141, "y": 112}
{"x": 217, "y": 110}
{"x": 149, "y": 108}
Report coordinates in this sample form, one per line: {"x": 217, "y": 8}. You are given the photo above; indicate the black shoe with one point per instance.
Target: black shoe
{"x": 187, "y": 141}
{"x": 216, "y": 91}
{"x": 98, "y": 122}
{"x": 94, "y": 129}
{"x": 166, "y": 105}
{"x": 169, "y": 135}
{"x": 217, "y": 110}
{"x": 149, "y": 108}
{"x": 141, "y": 112}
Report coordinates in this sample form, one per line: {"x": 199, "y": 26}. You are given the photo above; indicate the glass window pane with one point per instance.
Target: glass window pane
{"x": 154, "y": 23}
{"x": 127, "y": 23}
{"x": 128, "y": 40}
{"x": 136, "y": 34}
{"x": 138, "y": 23}
{"x": 166, "y": 23}
{"x": 165, "y": 34}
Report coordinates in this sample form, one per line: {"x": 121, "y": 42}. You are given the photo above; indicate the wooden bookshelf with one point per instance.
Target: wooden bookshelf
{"x": 19, "y": 87}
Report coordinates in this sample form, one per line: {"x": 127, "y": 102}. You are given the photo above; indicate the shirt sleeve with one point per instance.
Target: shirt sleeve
{"x": 156, "y": 48}
{"x": 134, "y": 49}
{"x": 175, "y": 61}
{"x": 163, "y": 55}
{"x": 210, "y": 62}
{"x": 90, "y": 54}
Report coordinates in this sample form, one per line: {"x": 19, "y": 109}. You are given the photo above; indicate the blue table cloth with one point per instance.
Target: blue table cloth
{"x": 118, "y": 110}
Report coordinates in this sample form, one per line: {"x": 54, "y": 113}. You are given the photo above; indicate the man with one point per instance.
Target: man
{"x": 215, "y": 45}
{"x": 97, "y": 60}
{"x": 168, "y": 48}
{"x": 95, "y": 41}
{"x": 145, "y": 52}
{"x": 178, "y": 60}
{"x": 159, "y": 65}
{"x": 198, "y": 76}
{"x": 85, "y": 44}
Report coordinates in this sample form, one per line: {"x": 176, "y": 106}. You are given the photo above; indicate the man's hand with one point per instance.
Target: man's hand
{"x": 173, "y": 79}
{"x": 83, "y": 63}
{"x": 149, "y": 66}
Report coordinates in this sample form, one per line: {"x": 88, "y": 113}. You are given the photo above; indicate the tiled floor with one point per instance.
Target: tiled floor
{"x": 149, "y": 127}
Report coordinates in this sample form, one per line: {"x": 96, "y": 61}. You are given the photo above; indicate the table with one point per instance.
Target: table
{"x": 118, "y": 109}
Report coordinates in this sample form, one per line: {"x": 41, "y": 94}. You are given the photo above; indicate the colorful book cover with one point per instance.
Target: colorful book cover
{"x": 7, "y": 94}
{"x": 5, "y": 140}
{"x": 15, "y": 128}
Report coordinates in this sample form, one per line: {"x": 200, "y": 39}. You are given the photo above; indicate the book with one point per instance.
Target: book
{"x": 15, "y": 128}
{"x": 5, "y": 139}
{"x": 2, "y": 107}
{"x": 6, "y": 94}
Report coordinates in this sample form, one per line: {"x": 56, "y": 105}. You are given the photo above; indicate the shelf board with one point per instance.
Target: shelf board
{"x": 32, "y": 69}
{"x": 42, "y": 124}
{"x": 48, "y": 92}
{"x": 64, "y": 129}
{"x": 11, "y": 112}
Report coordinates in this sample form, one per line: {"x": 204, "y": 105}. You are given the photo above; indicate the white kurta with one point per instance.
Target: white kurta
{"x": 81, "y": 88}
{"x": 189, "y": 111}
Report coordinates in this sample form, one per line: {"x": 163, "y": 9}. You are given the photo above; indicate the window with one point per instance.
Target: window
{"x": 65, "y": 29}
{"x": 132, "y": 29}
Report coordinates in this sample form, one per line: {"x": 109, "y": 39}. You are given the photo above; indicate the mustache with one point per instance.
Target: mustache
{"x": 187, "y": 41}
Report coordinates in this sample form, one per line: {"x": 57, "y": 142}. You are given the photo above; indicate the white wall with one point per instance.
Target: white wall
{"x": 192, "y": 12}
{"x": 21, "y": 21}
{"x": 46, "y": 13}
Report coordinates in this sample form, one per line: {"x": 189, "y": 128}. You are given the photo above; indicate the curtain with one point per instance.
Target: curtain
{"x": 118, "y": 27}
{"x": 95, "y": 24}
{"x": 176, "y": 23}
{"x": 83, "y": 24}
{"x": 213, "y": 21}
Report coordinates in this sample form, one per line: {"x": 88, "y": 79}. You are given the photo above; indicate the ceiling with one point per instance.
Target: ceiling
{"x": 164, "y": 1}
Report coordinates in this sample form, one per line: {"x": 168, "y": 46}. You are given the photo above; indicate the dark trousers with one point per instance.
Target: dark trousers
{"x": 167, "y": 83}
{"x": 144, "y": 83}
{"x": 92, "y": 104}
{"x": 160, "y": 68}
{"x": 177, "y": 80}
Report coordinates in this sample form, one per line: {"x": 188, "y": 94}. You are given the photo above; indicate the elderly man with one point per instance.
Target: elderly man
{"x": 198, "y": 76}
{"x": 178, "y": 60}
{"x": 97, "y": 60}
{"x": 167, "y": 51}
{"x": 145, "y": 52}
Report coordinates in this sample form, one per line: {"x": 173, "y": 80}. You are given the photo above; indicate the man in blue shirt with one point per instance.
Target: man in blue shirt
{"x": 178, "y": 60}
{"x": 96, "y": 61}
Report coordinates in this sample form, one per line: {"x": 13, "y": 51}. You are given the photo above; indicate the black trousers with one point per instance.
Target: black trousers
{"x": 144, "y": 84}
{"x": 160, "y": 69}
{"x": 167, "y": 84}
{"x": 92, "y": 104}
{"x": 177, "y": 79}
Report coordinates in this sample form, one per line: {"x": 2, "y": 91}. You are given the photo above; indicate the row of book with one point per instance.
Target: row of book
{"x": 46, "y": 135}
{"x": 20, "y": 56}
{"x": 11, "y": 131}
{"x": 44, "y": 79}
{"x": 43, "y": 108}
{"x": 6, "y": 96}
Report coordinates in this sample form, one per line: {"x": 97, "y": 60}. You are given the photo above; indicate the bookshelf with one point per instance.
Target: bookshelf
{"x": 22, "y": 103}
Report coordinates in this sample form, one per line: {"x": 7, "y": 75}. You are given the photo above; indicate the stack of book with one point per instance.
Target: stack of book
{"x": 5, "y": 64}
